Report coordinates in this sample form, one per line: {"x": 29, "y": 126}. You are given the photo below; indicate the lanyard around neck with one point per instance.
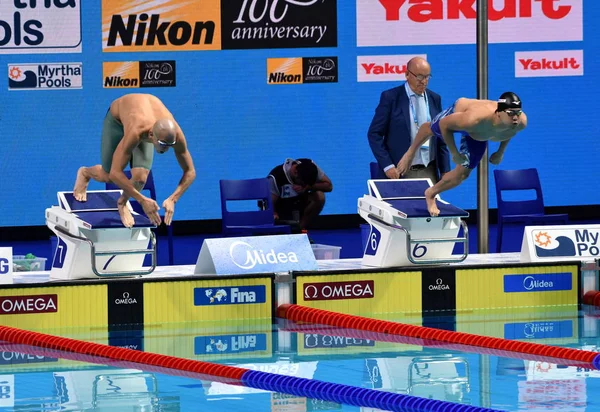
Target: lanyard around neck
{"x": 413, "y": 108}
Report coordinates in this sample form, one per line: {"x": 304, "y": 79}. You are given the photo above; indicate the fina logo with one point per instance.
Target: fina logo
{"x": 255, "y": 257}
{"x": 529, "y": 283}
{"x": 218, "y": 345}
{"x": 531, "y": 329}
{"x": 439, "y": 285}
{"x": 219, "y": 296}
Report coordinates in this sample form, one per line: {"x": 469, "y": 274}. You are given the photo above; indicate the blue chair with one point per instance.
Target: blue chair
{"x": 138, "y": 208}
{"x": 525, "y": 212}
{"x": 253, "y": 221}
{"x": 376, "y": 172}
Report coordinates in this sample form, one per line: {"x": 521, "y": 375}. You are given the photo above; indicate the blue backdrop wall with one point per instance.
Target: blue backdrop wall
{"x": 239, "y": 125}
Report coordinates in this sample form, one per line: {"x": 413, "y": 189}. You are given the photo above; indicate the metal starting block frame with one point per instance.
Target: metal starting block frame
{"x": 403, "y": 232}
{"x": 92, "y": 241}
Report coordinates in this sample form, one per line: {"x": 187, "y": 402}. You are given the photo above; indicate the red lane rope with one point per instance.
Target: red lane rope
{"x": 592, "y": 297}
{"x": 304, "y": 314}
{"x": 41, "y": 340}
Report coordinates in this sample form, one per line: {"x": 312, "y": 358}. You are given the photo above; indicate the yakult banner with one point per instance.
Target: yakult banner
{"x": 420, "y": 22}
{"x": 383, "y": 68}
{"x": 549, "y": 63}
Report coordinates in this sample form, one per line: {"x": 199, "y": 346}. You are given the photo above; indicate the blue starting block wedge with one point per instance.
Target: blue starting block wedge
{"x": 402, "y": 230}
{"x": 92, "y": 240}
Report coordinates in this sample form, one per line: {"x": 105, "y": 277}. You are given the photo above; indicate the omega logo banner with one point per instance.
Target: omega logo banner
{"x": 257, "y": 254}
{"x": 438, "y": 292}
{"x": 339, "y": 290}
{"x": 416, "y": 22}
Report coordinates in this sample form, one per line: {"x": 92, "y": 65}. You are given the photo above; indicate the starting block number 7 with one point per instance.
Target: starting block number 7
{"x": 60, "y": 254}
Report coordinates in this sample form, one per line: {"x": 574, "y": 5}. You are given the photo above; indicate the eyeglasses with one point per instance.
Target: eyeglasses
{"x": 513, "y": 113}
{"x": 420, "y": 77}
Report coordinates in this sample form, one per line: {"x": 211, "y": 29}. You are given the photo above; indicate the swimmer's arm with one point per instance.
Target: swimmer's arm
{"x": 121, "y": 158}
{"x": 322, "y": 185}
{"x": 450, "y": 124}
{"x": 423, "y": 134}
{"x": 502, "y": 147}
{"x": 184, "y": 158}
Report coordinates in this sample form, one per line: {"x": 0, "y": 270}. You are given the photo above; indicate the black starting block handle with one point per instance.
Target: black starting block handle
{"x": 95, "y": 254}
{"x": 409, "y": 242}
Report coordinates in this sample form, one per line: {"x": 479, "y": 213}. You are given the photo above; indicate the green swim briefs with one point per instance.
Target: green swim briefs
{"x": 112, "y": 133}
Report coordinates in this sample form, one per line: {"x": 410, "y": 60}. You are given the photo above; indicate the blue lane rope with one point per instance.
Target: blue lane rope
{"x": 350, "y": 395}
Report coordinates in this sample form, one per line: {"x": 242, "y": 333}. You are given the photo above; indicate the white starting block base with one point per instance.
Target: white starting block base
{"x": 403, "y": 233}
{"x": 92, "y": 241}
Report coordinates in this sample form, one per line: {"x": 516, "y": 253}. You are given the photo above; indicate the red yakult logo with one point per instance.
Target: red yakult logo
{"x": 419, "y": 22}
{"x": 383, "y": 68}
{"x": 549, "y": 63}
{"x": 422, "y": 11}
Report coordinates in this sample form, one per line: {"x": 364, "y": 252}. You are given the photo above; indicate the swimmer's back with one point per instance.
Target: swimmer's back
{"x": 141, "y": 105}
{"x": 463, "y": 104}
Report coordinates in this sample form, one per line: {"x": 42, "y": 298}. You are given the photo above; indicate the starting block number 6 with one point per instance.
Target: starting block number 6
{"x": 373, "y": 241}
{"x": 419, "y": 251}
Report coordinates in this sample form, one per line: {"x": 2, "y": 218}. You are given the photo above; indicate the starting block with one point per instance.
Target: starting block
{"x": 92, "y": 240}
{"x": 402, "y": 230}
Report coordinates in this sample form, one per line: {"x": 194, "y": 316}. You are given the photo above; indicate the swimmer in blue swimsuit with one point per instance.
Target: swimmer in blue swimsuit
{"x": 478, "y": 121}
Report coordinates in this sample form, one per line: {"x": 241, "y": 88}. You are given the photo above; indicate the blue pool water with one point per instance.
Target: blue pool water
{"x": 35, "y": 382}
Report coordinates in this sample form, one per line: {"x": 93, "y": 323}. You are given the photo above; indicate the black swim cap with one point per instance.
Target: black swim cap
{"x": 508, "y": 100}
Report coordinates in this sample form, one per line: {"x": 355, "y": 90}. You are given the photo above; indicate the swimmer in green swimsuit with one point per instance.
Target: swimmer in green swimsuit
{"x": 135, "y": 126}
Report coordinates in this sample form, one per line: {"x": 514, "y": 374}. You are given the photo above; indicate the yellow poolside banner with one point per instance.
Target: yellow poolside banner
{"x": 216, "y": 300}
{"x": 45, "y": 308}
{"x": 517, "y": 287}
{"x": 378, "y": 295}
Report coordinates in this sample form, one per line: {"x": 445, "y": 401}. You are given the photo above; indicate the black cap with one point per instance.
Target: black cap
{"x": 508, "y": 100}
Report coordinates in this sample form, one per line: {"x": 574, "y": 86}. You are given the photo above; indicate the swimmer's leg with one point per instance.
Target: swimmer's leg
{"x": 450, "y": 180}
{"x": 84, "y": 175}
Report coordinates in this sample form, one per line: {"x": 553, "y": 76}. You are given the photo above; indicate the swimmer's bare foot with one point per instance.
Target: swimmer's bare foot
{"x": 431, "y": 205}
{"x": 126, "y": 216}
{"x": 81, "y": 184}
